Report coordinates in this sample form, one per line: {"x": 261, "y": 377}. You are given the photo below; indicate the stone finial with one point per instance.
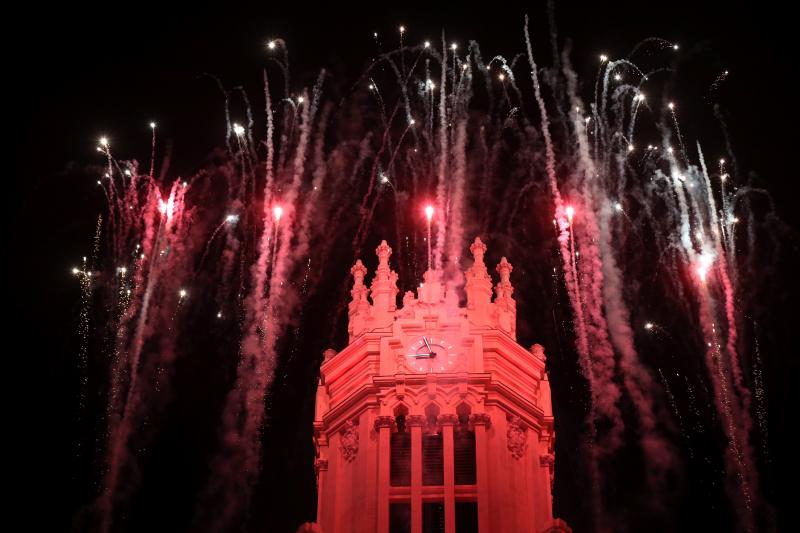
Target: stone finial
{"x": 384, "y": 286}
{"x": 479, "y": 284}
{"x": 505, "y": 306}
{"x": 383, "y": 251}
{"x": 478, "y": 250}
{"x": 504, "y": 268}
{"x": 358, "y": 271}
{"x": 359, "y": 308}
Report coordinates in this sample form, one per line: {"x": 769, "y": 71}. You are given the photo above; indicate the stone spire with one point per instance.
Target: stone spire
{"x": 479, "y": 284}
{"x": 504, "y": 302}
{"x": 359, "y": 308}
{"x": 384, "y": 288}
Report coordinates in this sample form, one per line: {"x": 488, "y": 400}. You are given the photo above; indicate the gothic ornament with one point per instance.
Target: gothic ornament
{"x": 385, "y": 422}
{"x": 447, "y": 420}
{"x": 517, "y": 436}
{"x": 416, "y": 420}
{"x": 480, "y": 419}
{"x": 349, "y": 440}
{"x": 549, "y": 460}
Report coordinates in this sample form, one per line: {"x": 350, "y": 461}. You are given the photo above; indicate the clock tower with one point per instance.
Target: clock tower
{"x": 433, "y": 418}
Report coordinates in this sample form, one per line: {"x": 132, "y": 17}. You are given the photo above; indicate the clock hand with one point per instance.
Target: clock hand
{"x": 427, "y": 344}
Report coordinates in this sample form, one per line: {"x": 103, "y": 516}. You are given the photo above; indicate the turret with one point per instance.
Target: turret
{"x": 478, "y": 286}
{"x": 359, "y": 308}
{"x": 505, "y": 306}
{"x": 384, "y": 288}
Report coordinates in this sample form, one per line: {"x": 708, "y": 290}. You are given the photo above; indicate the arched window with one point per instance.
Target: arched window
{"x": 432, "y": 449}
{"x": 400, "y": 463}
{"x": 464, "y": 448}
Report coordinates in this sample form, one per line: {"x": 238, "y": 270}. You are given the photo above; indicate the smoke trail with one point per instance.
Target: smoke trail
{"x": 565, "y": 233}
{"x": 162, "y": 248}
{"x": 441, "y": 185}
{"x": 738, "y": 467}
{"x": 636, "y": 381}
{"x": 268, "y": 308}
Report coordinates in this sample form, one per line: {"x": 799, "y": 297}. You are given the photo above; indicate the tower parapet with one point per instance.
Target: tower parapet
{"x": 480, "y": 309}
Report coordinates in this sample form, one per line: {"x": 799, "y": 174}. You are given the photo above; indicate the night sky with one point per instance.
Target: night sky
{"x": 82, "y": 70}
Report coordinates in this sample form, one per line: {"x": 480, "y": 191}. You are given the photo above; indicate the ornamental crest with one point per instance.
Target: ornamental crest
{"x": 517, "y": 436}
{"x": 349, "y": 440}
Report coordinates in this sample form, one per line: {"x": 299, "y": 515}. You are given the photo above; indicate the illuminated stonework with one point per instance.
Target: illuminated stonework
{"x": 438, "y": 419}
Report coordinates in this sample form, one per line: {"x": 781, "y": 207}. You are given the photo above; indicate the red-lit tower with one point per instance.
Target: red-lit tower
{"x": 433, "y": 418}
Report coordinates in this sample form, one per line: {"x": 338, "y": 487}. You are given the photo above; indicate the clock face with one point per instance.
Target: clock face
{"x": 431, "y": 354}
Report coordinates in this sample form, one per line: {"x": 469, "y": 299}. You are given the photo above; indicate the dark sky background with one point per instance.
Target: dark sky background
{"x": 82, "y": 70}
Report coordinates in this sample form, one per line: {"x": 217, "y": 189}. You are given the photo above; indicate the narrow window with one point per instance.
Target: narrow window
{"x": 432, "y": 449}
{"x": 464, "y": 449}
{"x": 400, "y": 462}
{"x": 432, "y": 460}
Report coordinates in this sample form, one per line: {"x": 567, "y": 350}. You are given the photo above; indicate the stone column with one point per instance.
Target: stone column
{"x": 447, "y": 422}
{"x": 384, "y": 425}
{"x": 416, "y": 422}
{"x": 480, "y": 423}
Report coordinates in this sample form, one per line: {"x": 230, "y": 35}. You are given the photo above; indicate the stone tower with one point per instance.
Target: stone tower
{"x": 433, "y": 418}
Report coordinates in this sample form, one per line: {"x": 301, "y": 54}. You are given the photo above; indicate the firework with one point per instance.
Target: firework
{"x": 495, "y": 157}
